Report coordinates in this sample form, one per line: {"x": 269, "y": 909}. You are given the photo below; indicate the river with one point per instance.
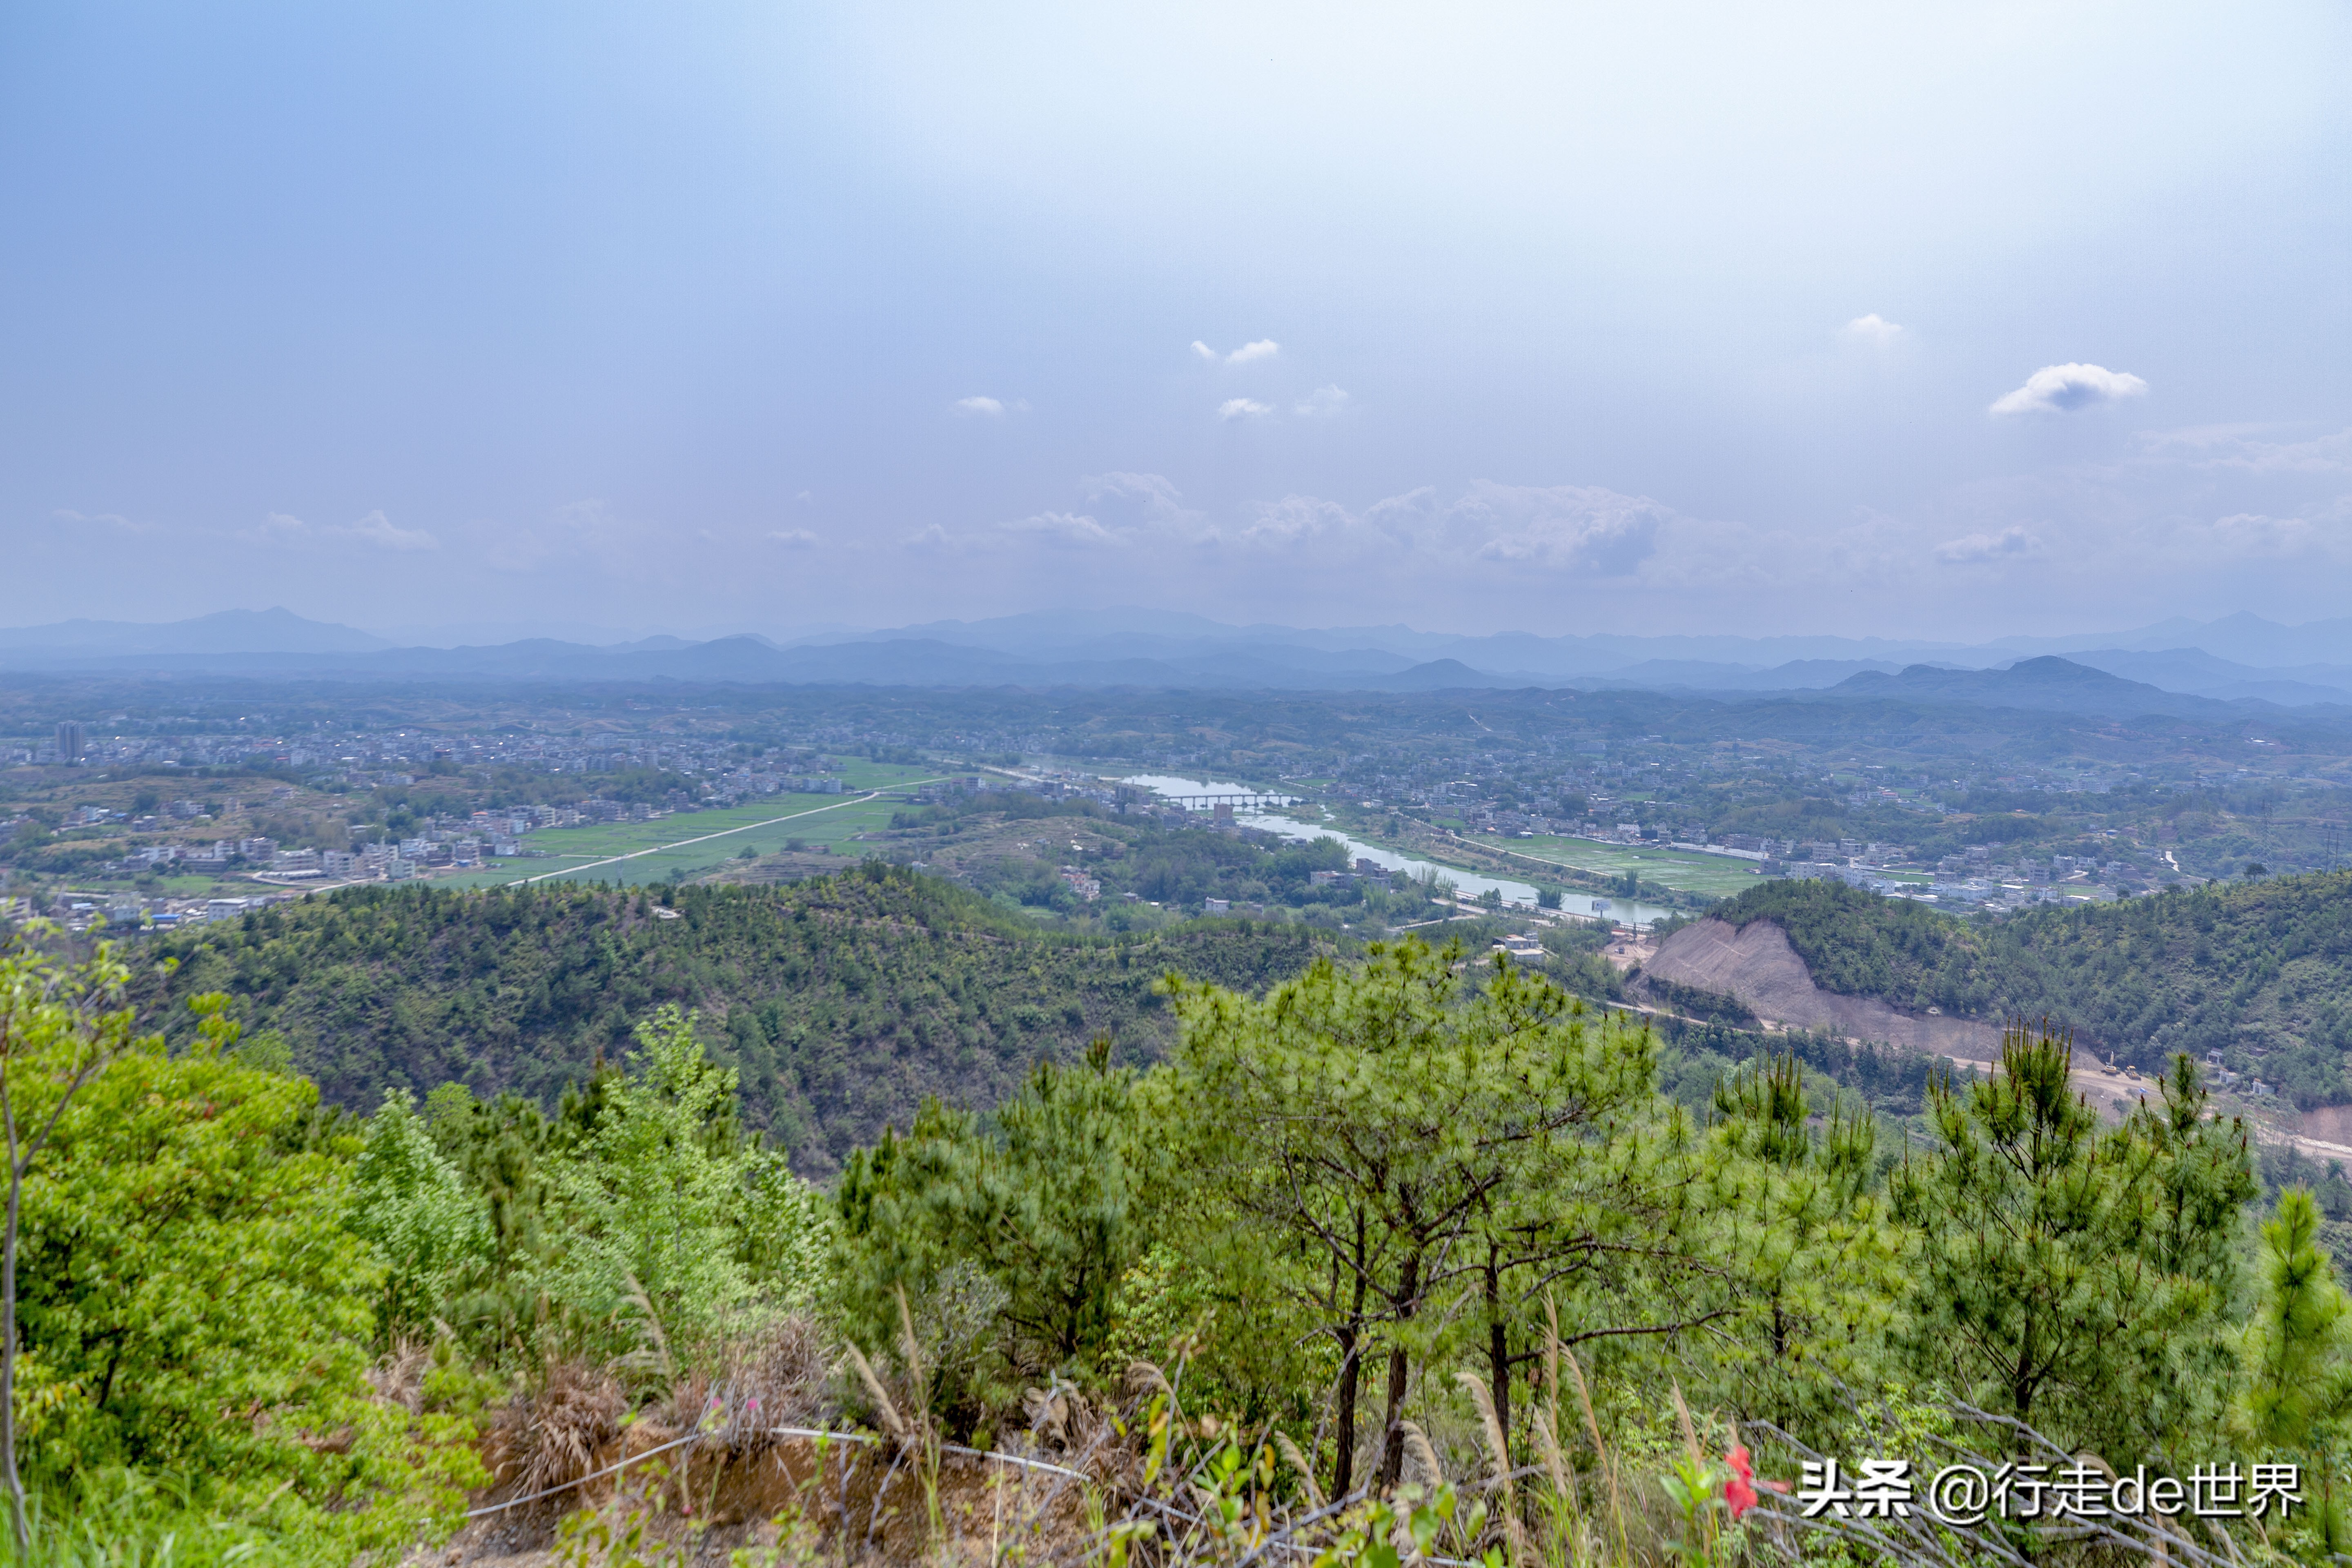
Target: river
{"x": 1572, "y": 901}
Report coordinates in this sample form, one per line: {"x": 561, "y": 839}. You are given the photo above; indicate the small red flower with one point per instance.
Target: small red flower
{"x": 1738, "y": 1490}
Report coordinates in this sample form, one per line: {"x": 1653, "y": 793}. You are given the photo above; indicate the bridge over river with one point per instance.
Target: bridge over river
{"x": 1239, "y": 801}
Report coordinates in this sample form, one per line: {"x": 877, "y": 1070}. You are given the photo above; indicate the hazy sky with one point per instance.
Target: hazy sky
{"x": 1937, "y": 319}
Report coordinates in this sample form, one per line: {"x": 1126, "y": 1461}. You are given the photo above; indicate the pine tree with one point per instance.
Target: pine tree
{"x": 1048, "y": 1205}
{"x": 1807, "y": 1253}
{"x": 1403, "y": 1142}
{"x": 2058, "y": 1280}
{"x": 2298, "y": 1363}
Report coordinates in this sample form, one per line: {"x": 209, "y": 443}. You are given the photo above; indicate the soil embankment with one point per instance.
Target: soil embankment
{"x": 2330, "y": 1123}
{"x": 1756, "y": 964}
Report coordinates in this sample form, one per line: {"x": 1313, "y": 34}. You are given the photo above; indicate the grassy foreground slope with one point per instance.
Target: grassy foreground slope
{"x": 842, "y": 1000}
{"x": 2259, "y": 970}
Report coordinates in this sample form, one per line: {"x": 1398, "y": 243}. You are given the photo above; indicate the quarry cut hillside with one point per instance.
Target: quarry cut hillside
{"x": 2259, "y": 970}
{"x": 1755, "y": 964}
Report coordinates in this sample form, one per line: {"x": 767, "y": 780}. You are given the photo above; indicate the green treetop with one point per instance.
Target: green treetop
{"x": 2072, "y": 1278}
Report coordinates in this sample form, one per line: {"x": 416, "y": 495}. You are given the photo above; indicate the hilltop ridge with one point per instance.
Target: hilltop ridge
{"x": 840, "y": 1000}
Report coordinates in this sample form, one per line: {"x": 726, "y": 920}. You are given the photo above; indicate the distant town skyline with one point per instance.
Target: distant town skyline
{"x": 1960, "y": 323}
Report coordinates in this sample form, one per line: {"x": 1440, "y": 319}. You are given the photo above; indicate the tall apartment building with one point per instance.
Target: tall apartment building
{"x": 69, "y": 740}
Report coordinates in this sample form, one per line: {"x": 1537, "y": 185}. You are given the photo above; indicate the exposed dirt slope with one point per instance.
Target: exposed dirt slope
{"x": 1756, "y": 964}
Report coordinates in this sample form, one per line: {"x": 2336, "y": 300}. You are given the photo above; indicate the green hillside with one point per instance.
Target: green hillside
{"x": 840, "y": 1000}
{"x": 2260, "y": 971}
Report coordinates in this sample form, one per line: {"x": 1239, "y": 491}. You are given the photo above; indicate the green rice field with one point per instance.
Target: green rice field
{"x": 693, "y": 842}
{"x": 1717, "y": 876}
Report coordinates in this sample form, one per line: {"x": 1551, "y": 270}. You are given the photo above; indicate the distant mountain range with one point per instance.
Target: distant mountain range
{"x": 2239, "y": 665}
{"x": 229, "y": 631}
{"x": 2047, "y": 683}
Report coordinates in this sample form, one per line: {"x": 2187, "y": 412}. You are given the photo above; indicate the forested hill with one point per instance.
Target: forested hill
{"x": 2260, "y": 969}
{"x": 842, "y": 1000}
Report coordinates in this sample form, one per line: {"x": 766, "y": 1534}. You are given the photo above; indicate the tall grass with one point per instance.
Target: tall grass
{"x": 123, "y": 1522}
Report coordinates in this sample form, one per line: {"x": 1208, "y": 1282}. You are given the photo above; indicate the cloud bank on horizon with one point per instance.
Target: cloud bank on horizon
{"x": 1946, "y": 323}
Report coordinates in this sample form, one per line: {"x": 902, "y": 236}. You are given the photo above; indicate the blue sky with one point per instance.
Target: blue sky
{"x": 1943, "y": 320}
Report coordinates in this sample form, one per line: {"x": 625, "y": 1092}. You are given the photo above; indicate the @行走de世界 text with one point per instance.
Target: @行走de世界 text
{"x": 1969, "y": 1494}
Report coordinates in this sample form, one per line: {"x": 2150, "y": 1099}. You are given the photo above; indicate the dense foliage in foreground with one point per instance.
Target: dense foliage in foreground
{"x": 2260, "y": 971}
{"x": 841, "y": 1000}
{"x": 1398, "y": 1222}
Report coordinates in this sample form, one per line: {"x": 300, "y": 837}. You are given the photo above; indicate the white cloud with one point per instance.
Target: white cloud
{"x": 1874, "y": 329}
{"x": 374, "y": 528}
{"x": 379, "y": 530}
{"x": 2249, "y": 536}
{"x": 1073, "y": 530}
{"x": 2253, "y": 534}
{"x": 1403, "y": 518}
{"x": 1243, "y": 409}
{"x": 1143, "y": 506}
{"x": 2011, "y": 543}
{"x": 929, "y": 539}
{"x": 986, "y": 408}
{"x": 794, "y": 538}
{"x": 1296, "y": 519}
{"x": 1561, "y": 527}
{"x": 1162, "y": 501}
{"x": 1265, "y": 348}
{"x": 1157, "y": 488}
{"x": 2235, "y": 447}
{"x": 273, "y": 527}
{"x": 2064, "y": 388}
{"x": 104, "y": 519}
{"x": 1324, "y": 402}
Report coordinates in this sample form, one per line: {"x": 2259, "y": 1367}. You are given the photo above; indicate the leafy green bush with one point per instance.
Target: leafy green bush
{"x": 193, "y": 1305}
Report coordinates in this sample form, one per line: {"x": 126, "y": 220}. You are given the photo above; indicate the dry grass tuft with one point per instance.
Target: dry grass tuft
{"x": 399, "y": 1377}
{"x": 575, "y": 1410}
{"x": 1055, "y": 1415}
{"x": 1421, "y": 1466}
{"x": 1499, "y": 1452}
{"x": 1143, "y": 1378}
{"x": 885, "y": 1409}
{"x": 1306, "y": 1472}
{"x": 1690, "y": 1431}
{"x": 1600, "y": 1449}
{"x": 772, "y": 1376}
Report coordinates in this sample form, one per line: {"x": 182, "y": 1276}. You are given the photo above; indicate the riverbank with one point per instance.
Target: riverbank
{"x": 1470, "y": 866}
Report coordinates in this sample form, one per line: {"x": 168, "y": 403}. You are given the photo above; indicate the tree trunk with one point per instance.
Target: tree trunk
{"x": 1351, "y": 1376}
{"x": 1393, "y": 1423}
{"x": 1392, "y": 1456}
{"x": 2022, "y": 1380}
{"x": 8, "y": 1356}
{"x": 1499, "y": 1354}
{"x": 1343, "y": 1423}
